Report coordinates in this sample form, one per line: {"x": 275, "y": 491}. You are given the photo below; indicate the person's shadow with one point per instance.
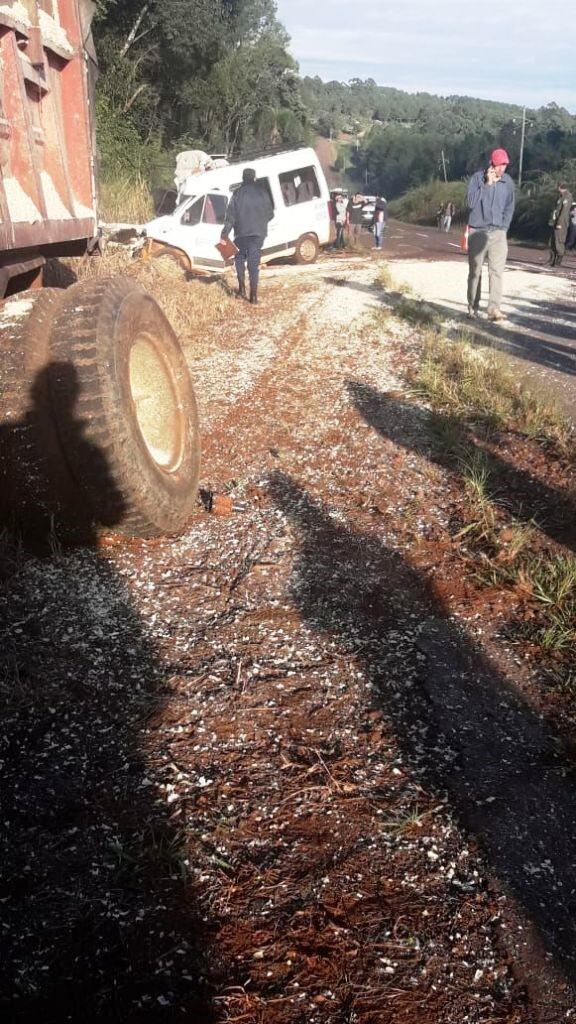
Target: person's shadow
{"x": 95, "y": 897}
{"x": 522, "y": 492}
{"x": 454, "y": 712}
{"x": 46, "y": 496}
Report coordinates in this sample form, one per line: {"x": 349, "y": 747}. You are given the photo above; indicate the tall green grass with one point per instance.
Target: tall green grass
{"x": 419, "y": 205}
{"x": 534, "y": 202}
{"x": 126, "y": 198}
{"x": 477, "y": 386}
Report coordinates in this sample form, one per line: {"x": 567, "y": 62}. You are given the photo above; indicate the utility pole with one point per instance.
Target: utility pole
{"x": 522, "y": 147}
{"x": 444, "y": 167}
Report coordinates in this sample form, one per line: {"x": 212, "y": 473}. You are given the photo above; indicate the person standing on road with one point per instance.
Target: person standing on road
{"x": 380, "y": 219}
{"x": 560, "y": 222}
{"x": 248, "y": 214}
{"x": 449, "y": 211}
{"x": 354, "y": 215}
{"x": 491, "y": 208}
{"x": 340, "y": 210}
{"x": 571, "y": 236}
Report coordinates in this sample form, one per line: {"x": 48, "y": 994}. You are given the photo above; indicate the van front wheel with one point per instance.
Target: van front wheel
{"x": 307, "y": 249}
{"x": 170, "y": 262}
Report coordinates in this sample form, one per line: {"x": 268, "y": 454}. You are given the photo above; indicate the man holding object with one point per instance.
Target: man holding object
{"x": 248, "y": 214}
{"x": 491, "y": 206}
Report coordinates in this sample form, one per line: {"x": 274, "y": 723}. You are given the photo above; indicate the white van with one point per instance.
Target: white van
{"x": 301, "y": 223}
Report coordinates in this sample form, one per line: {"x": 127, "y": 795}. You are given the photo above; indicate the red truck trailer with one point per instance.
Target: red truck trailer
{"x": 98, "y": 422}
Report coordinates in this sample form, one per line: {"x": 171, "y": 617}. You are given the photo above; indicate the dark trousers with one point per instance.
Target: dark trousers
{"x": 250, "y": 250}
{"x": 339, "y": 243}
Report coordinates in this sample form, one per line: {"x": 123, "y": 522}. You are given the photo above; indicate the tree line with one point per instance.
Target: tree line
{"x": 186, "y": 74}
{"x": 405, "y": 140}
{"x": 218, "y": 75}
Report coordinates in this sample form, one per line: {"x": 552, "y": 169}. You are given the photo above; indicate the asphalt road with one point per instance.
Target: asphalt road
{"x": 411, "y": 241}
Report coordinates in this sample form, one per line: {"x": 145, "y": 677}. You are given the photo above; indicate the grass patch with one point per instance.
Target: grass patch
{"x": 197, "y": 308}
{"x": 386, "y": 280}
{"x": 403, "y": 304}
{"x": 473, "y": 394}
{"x": 416, "y": 312}
{"x": 420, "y": 205}
{"x": 126, "y": 199}
{"x": 473, "y": 467}
{"x": 550, "y": 585}
{"x": 477, "y": 386}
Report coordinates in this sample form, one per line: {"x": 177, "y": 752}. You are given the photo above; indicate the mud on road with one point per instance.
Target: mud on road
{"x": 274, "y": 771}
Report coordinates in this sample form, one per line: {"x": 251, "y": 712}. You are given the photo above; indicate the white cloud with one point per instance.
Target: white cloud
{"x": 514, "y": 52}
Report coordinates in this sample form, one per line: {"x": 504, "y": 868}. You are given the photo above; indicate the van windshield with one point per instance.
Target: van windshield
{"x": 193, "y": 213}
{"x": 182, "y": 204}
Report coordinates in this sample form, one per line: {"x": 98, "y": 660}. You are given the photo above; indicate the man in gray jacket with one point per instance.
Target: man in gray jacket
{"x": 248, "y": 214}
{"x": 491, "y": 207}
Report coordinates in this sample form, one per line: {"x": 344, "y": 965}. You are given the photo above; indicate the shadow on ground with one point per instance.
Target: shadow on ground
{"x": 455, "y": 714}
{"x": 98, "y": 919}
{"x": 539, "y": 331}
{"x": 531, "y": 333}
{"x": 524, "y": 495}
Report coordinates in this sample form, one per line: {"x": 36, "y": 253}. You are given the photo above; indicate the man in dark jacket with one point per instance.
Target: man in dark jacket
{"x": 560, "y": 222}
{"x": 491, "y": 207}
{"x": 248, "y": 214}
{"x": 354, "y": 215}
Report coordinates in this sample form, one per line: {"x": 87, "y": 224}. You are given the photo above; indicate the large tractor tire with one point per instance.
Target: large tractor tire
{"x": 124, "y": 407}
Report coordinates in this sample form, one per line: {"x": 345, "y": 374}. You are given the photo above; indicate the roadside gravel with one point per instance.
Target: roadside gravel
{"x": 227, "y": 759}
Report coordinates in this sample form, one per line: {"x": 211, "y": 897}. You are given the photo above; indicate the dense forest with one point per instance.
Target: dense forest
{"x": 177, "y": 74}
{"x": 218, "y": 75}
{"x": 406, "y": 139}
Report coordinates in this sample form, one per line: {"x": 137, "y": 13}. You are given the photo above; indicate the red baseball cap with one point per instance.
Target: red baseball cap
{"x": 499, "y": 156}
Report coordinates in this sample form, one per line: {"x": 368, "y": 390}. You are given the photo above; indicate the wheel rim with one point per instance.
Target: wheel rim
{"x": 308, "y": 250}
{"x": 156, "y": 404}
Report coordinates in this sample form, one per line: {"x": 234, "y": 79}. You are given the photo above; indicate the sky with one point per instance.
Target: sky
{"x": 516, "y": 51}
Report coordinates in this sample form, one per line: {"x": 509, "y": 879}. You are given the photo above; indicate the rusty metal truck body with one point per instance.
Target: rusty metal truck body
{"x": 47, "y": 177}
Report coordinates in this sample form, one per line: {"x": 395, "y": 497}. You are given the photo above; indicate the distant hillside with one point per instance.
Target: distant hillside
{"x": 407, "y": 139}
{"x": 337, "y": 106}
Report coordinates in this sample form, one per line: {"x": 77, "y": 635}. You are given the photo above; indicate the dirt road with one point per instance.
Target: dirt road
{"x": 281, "y": 770}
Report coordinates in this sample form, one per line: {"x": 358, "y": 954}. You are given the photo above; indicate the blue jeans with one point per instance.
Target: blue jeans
{"x": 250, "y": 247}
{"x": 379, "y": 229}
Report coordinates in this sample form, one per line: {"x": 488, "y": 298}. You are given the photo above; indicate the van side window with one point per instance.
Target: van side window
{"x": 299, "y": 186}
{"x": 193, "y": 214}
{"x": 215, "y": 209}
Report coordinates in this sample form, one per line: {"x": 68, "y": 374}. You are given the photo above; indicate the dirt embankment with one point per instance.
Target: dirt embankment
{"x": 327, "y": 153}
{"x": 284, "y": 768}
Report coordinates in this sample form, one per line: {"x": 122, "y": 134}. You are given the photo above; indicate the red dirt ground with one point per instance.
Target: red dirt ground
{"x": 293, "y": 767}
